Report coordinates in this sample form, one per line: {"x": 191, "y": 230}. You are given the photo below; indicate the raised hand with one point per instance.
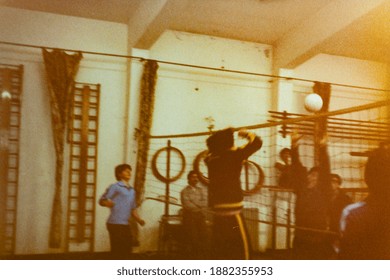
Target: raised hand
{"x": 295, "y": 137}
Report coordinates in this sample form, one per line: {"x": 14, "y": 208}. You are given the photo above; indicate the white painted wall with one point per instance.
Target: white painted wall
{"x": 37, "y": 157}
{"x": 345, "y": 71}
{"x": 185, "y": 95}
{"x": 66, "y": 32}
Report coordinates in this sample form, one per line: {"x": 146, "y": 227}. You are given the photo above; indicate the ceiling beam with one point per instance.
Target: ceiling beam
{"x": 150, "y": 20}
{"x": 304, "y": 41}
{"x": 147, "y": 12}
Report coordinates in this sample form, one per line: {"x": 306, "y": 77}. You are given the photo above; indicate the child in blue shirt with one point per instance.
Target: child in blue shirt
{"x": 120, "y": 198}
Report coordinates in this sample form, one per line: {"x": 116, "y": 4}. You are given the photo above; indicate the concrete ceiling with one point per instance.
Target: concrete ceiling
{"x": 298, "y": 29}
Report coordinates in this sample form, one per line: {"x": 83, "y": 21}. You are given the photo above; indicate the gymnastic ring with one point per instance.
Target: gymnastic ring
{"x": 259, "y": 182}
{"x": 203, "y": 179}
{"x": 158, "y": 175}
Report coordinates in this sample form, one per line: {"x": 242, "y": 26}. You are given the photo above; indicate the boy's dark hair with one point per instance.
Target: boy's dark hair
{"x": 221, "y": 140}
{"x": 284, "y": 151}
{"x": 191, "y": 173}
{"x": 376, "y": 172}
{"x": 119, "y": 168}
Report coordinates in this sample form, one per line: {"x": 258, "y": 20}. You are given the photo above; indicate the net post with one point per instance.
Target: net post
{"x": 168, "y": 176}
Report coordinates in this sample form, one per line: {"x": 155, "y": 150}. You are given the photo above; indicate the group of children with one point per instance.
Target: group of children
{"x": 325, "y": 227}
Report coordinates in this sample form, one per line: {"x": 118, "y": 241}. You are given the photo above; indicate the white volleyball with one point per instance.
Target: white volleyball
{"x": 313, "y": 102}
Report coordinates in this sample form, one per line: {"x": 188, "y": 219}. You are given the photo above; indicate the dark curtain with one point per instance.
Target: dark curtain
{"x": 61, "y": 68}
{"x": 146, "y": 110}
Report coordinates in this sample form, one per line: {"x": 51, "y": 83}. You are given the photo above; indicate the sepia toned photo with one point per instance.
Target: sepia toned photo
{"x": 195, "y": 130}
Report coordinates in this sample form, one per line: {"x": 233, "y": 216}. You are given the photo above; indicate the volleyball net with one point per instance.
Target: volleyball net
{"x": 351, "y": 134}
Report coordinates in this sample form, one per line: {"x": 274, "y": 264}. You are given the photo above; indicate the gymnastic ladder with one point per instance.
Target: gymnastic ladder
{"x": 83, "y": 139}
{"x": 11, "y": 77}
